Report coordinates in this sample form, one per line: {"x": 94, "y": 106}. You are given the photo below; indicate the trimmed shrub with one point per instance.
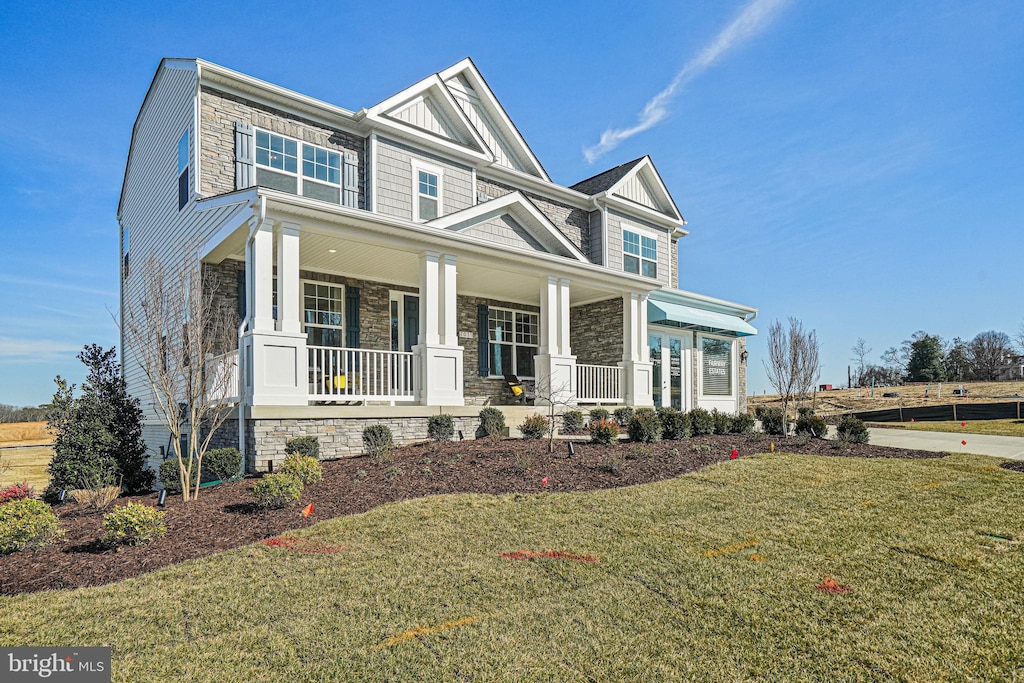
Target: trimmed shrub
{"x": 276, "y": 490}
{"x": 441, "y": 428}
{"x": 604, "y": 431}
{"x": 305, "y": 468}
{"x": 534, "y": 427}
{"x": 723, "y": 422}
{"x": 572, "y": 422}
{"x": 170, "y": 475}
{"x": 675, "y": 424}
{"x": 645, "y": 426}
{"x": 743, "y": 423}
{"x": 16, "y": 492}
{"x": 852, "y": 430}
{"x": 613, "y": 460}
{"x": 492, "y": 421}
{"x": 599, "y": 414}
{"x": 378, "y": 442}
{"x": 771, "y": 419}
{"x": 308, "y": 446}
{"x": 133, "y": 524}
{"x": 624, "y": 416}
{"x": 27, "y": 524}
{"x": 809, "y": 423}
{"x": 222, "y": 463}
{"x": 702, "y": 423}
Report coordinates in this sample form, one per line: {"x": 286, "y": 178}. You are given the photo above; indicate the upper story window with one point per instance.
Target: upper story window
{"x": 513, "y": 338}
{"x": 639, "y": 253}
{"x": 426, "y": 182}
{"x": 183, "y": 170}
{"x": 277, "y": 167}
{"x": 322, "y": 313}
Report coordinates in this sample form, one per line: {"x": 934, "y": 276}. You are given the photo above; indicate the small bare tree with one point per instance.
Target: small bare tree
{"x": 792, "y": 364}
{"x": 559, "y": 394}
{"x": 177, "y": 334}
{"x": 860, "y": 354}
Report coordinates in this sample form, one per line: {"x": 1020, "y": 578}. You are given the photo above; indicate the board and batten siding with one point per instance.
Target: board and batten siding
{"x": 616, "y": 222}
{"x": 394, "y": 187}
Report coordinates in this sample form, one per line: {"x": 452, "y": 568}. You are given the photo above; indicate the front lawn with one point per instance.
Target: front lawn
{"x": 714, "y": 575}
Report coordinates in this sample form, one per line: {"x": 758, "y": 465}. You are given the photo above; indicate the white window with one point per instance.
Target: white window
{"x": 513, "y": 338}
{"x": 277, "y": 167}
{"x": 183, "y": 170}
{"x": 716, "y": 366}
{"x": 323, "y": 306}
{"x": 639, "y": 253}
{"x": 426, "y": 191}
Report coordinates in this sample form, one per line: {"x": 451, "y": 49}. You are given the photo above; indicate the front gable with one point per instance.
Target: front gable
{"x": 643, "y": 186}
{"x": 511, "y": 220}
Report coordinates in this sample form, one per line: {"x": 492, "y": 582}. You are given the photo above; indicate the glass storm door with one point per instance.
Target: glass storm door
{"x": 654, "y": 341}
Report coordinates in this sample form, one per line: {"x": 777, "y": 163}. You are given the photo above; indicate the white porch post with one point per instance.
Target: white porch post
{"x": 437, "y": 363}
{"x": 636, "y": 364}
{"x": 554, "y": 364}
{"x": 275, "y": 353}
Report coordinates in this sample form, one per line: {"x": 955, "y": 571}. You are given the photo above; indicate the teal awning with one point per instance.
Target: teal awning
{"x": 689, "y": 318}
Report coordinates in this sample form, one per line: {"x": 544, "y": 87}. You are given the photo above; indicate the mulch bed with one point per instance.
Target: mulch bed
{"x": 223, "y": 517}
{"x": 1013, "y": 465}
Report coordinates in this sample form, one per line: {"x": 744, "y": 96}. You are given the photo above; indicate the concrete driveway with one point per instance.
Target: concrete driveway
{"x": 1009, "y": 447}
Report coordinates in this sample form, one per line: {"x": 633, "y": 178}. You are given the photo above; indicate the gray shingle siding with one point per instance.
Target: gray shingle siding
{"x": 504, "y": 230}
{"x": 572, "y": 222}
{"x": 615, "y": 224}
{"x": 394, "y": 180}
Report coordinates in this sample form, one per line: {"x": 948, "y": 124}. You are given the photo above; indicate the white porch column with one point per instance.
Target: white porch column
{"x": 554, "y": 364}
{"x": 275, "y": 359}
{"x": 637, "y": 369}
{"x": 437, "y": 363}
{"x": 288, "y": 277}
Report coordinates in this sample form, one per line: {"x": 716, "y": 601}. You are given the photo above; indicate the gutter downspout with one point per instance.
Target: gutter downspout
{"x": 260, "y": 214}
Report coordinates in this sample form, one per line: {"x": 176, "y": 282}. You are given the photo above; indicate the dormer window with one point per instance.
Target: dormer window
{"x": 183, "y": 170}
{"x": 639, "y": 253}
{"x": 427, "y": 191}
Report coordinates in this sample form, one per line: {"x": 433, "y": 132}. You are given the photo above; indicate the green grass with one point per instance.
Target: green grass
{"x": 1010, "y": 427}
{"x": 676, "y": 594}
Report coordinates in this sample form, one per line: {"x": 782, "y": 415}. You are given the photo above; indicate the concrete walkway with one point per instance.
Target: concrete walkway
{"x": 1009, "y": 447}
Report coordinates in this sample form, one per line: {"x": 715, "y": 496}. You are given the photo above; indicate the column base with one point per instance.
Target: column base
{"x": 637, "y": 376}
{"x": 556, "y": 379}
{"x": 439, "y": 370}
{"x": 279, "y": 372}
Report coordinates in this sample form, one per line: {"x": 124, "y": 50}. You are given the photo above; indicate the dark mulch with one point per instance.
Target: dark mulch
{"x": 1013, "y": 465}
{"x": 223, "y": 516}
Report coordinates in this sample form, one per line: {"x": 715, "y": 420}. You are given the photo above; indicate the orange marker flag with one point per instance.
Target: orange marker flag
{"x": 307, "y": 511}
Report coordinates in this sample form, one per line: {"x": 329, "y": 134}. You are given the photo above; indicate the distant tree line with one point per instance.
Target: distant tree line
{"x": 22, "y": 414}
{"x": 989, "y": 357}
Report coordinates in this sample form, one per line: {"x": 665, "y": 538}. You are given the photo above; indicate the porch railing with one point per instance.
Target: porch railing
{"x": 222, "y": 377}
{"x": 598, "y": 383}
{"x": 340, "y": 374}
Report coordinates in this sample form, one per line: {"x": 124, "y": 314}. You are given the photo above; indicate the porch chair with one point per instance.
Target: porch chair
{"x": 520, "y": 392}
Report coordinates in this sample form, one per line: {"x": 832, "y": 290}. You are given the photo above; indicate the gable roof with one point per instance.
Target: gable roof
{"x": 525, "y": 218}
{"x": 633, "y": 185}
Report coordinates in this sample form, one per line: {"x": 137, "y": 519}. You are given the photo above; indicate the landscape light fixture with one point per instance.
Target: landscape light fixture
{"x": 161, "y": 498}
{"x": 461, "y": 437}
{"x": 62, "y": 495}
{"x": 572, "y": 450}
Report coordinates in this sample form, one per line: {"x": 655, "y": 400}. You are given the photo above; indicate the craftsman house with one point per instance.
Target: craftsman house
{"x": 400, "y": 260}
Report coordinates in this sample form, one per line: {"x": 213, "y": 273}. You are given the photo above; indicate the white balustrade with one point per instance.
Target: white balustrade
{"x": 598, "y": 383}
{"x": 340, "y": 374}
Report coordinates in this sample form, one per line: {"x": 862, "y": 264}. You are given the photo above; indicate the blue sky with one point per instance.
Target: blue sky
{"x": 856, "y": 165}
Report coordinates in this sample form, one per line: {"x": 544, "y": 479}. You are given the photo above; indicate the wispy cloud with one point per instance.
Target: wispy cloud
{"x": 40, "y": 350}
{"x": 67, "y": 286}
{"x": 754, "y": 17}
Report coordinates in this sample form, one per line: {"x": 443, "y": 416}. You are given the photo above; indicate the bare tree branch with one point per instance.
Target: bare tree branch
{"x": 793, "y": 362}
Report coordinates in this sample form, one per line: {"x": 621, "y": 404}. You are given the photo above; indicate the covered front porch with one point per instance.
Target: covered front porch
{"x": 348, "y": 310}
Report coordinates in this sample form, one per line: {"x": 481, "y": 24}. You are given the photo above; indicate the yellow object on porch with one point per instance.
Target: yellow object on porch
{"x": 517, "y": 390}
{"x": 339, "y": 381}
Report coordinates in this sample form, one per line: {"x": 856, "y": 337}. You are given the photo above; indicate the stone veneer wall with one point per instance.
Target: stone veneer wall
{"x": 477, "y": 390}
{"x": 220, "y": 110}
{"x": 339, "y": 437}
{"x": 596, "y": 332}
{"x": 573, "y": 222}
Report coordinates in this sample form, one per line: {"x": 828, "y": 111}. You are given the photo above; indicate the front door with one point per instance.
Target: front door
{"x": 671, "y": 357}
{"x": 405, "y": 330}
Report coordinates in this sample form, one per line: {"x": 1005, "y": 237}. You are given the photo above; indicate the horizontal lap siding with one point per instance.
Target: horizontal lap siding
{"x": 394, "y": 189}
{"x": 574, "y": 223}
